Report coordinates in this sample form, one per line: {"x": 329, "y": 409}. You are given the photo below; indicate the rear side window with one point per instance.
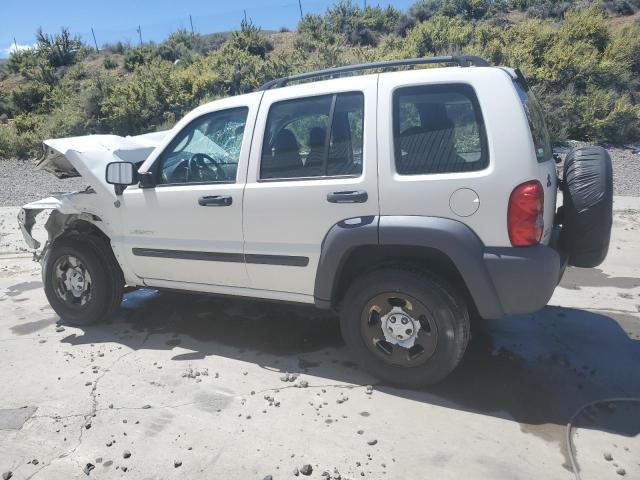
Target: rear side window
{"x": 537, "y": 125}
{"x": 438, "y": 129}
{"x": 314, "y": 137}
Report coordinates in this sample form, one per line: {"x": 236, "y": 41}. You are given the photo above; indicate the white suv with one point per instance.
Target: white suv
{"x": 404, "y": 200}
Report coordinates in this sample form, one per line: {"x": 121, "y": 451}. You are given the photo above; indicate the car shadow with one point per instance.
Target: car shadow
{"x": 536, "y": 370}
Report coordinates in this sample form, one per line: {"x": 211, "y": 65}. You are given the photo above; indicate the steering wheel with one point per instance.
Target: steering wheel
{"x": 197, "y": 167}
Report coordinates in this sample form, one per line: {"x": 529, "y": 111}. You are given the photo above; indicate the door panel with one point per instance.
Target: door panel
{"x": 287, "y": 218}
{"x": 188, "y": 228}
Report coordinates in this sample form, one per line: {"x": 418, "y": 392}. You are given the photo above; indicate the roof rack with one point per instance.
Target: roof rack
{"x": 462, "y": 60}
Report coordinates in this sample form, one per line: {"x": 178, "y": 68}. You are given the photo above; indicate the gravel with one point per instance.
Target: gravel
{"x": 21, "y": 183}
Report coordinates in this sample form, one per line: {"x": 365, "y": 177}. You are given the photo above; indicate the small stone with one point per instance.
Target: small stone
{"x": 7, "y": 475}
{"x": 111, "y": 405}
{"x": 296, "y": 472}
{"x": 360, "y": 432}
{"x": 87, "y": 468}
{"x": 124, "y": 469}
{"x": 268, "y": 477}
{"x": 303, "y": 384}
{"x": 369, "y": 390}
{"x": 373, "y": 441}
{"x": 60, "y": 329}
{"x": 146, "y": 406}
{"x": 621, "y": 471}
{"x": 87, "y": 384}
{"x": 126, "y": 454}
{"x": 34, "y": 461}
{"x": 607, "y": 456}
{"x": 177, "y": 463}
{"x": 99, "y": 460}
{"x": 306, "y": 470}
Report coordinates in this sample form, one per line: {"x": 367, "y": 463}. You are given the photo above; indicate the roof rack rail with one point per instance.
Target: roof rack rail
{"x": 462, "y": 60}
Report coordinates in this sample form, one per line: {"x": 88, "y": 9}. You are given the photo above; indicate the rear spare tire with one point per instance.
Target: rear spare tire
{"x": 587, "y": 206}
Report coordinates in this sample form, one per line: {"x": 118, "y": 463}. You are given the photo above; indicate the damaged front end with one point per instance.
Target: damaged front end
{"x": 86, "y": 157}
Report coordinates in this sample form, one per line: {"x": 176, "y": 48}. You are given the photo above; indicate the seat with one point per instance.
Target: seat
{"x": 315, "y": 159}
{"x": 430, "y": 147}
{"x": 283, "y": 160}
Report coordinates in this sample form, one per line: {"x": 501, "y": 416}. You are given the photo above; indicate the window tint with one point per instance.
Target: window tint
{"x": 537, "y": 125}
{"x": 206, "y": 150}
{"x": 438, "y": 129}
{"x": 314, "y": 137}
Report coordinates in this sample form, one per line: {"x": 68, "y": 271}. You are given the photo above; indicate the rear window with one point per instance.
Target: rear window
{"x": 537, "y": 125}
{"x": 438, "y": 129}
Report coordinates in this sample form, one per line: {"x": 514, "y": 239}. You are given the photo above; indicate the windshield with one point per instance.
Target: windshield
{"x": 537, "y": 125}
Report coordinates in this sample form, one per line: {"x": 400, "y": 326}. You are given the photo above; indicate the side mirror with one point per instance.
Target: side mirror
{"x": 121, "y": 174}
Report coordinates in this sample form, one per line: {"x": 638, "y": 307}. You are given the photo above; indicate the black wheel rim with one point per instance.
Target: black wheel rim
{"x": 399, "y": 329}
{"x": 72, "y": 282}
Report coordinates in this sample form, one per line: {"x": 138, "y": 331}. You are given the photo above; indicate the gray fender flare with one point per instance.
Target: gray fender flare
{"x": 451, "y": 237}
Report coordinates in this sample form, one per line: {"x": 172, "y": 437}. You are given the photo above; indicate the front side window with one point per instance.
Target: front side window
{"x": 206, "y": 151}
{"x": 438, "y": 129}
{"x": 314, "y": 137}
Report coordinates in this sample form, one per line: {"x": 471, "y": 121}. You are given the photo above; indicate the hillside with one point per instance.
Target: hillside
{"x": 582, "y": 59}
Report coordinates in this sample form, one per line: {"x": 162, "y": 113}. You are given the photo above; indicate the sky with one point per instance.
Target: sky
{"x": 114, "y": 20}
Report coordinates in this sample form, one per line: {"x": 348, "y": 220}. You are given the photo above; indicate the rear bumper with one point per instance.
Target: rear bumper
{"x": 524, "y": 278}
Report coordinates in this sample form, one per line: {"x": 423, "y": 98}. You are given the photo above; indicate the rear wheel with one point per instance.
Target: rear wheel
{"x": 406, "y": 327}
{"x": 81, "y": 280}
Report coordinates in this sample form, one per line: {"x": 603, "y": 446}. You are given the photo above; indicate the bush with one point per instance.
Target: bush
{"x": 250, "y": 39}
{"x": 109, "y": 63}
{"x": 29, "y": 97}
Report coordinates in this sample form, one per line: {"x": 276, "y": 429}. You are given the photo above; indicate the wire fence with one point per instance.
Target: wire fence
{"x": 267, "y": 15}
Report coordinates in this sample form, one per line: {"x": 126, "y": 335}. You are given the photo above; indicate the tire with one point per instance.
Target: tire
{"x": 439, "y": 309}
{"x": 587, "y": 211}
{"x": 101, "y": 277}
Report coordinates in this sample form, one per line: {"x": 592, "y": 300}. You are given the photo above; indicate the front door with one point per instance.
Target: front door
{"x": 188, "y": 228}
{"x": 313, "y": 164}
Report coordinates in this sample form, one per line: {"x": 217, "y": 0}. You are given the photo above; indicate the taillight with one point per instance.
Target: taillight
{"x": 525, "y": 216}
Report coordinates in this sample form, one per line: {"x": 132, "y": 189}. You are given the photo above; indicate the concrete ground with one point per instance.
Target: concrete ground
{"x": 192, "y": 387}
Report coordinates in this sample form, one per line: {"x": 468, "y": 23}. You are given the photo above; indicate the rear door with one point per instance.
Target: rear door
{"x": 313, "y": 164}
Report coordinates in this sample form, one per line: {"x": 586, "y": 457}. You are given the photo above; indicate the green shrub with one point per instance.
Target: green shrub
{"x": 109, "y": 63}
{"x": 29, "y": 97}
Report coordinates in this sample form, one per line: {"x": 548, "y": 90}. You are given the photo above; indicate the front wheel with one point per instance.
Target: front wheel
{"x": 406, "y": 327}
{"x": 81, "y": 282}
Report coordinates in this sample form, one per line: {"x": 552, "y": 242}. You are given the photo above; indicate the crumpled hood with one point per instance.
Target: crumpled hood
{"x": 88, "y": 156}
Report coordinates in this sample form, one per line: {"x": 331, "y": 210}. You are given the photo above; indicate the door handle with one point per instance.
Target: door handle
{"x": 352, "y": 196}
{"x": 215, "y": 201}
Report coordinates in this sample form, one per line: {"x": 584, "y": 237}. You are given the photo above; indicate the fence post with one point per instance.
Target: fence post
{"x": 94, "y": 40}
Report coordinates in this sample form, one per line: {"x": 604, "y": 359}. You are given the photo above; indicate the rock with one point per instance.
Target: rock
{"x": 146, "y": 406}
{"x": 109, "y": 443}
{"x": 303, "y": 384}
{"x": 373, "y": 441}
{"x": 369, "y": 390}
{"x": 306, "y": 469}
{"x": 87, "y": 468}
{"x": 621, "y": 471}
{"x": 360, "y": 432}
{"x": 60, "y": 329}
{"x": 177, "y": 463}
{"x": 7, "y": 475}
{"x": 607, "y": 456}
{"x": 34, "y": 461}
{"x": 268, "y": 477}
{"x": 296, "y": 472}
{"x": 99, "y": 460}
{"x": 126, "y": 454}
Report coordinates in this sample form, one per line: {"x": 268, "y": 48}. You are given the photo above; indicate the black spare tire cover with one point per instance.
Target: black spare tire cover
{"x": 587, "y": 206}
